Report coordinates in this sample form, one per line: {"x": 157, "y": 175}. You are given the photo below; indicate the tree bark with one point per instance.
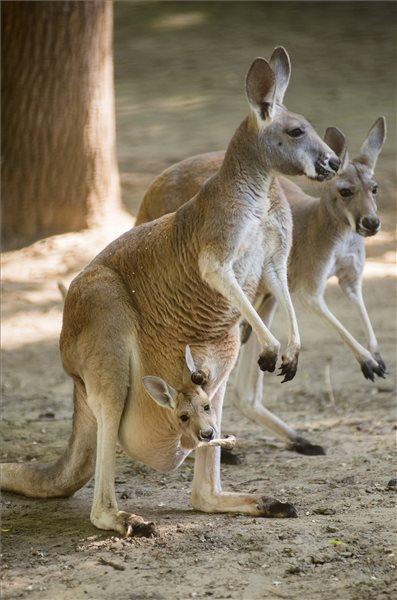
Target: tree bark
{"x": 58, "y": 145}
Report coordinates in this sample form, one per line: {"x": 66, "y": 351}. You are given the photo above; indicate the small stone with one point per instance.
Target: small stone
{"x": 324, "y": 510}
{"x": 392, "y": 484}
{"x": 331, "y": 529}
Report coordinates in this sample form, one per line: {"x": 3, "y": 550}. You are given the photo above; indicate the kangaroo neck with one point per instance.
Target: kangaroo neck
{"x": 244, "y": 174}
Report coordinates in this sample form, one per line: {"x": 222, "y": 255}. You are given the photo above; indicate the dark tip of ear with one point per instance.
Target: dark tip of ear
{"x": 199, "y": 378}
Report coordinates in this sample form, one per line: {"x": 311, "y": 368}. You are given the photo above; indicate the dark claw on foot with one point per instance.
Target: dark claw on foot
{"x": 274, "y": 509}
{"x": 267, "y": 361}
{"x": 288, "y": 369}
{"x": 368, "y": 370}
{"x": 137, "y": 527}
{"x": 380, "y": 362}
{"x": 245, "y": 332}
{"x": 228, "y": 457}
{"x": 302, "y": 446}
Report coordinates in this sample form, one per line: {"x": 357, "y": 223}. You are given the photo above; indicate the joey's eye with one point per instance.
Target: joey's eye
{"x": 207, "y": 408}
{"x": 345, "y": 192}
{"x": 375, "y": 189}
{"x": 184, "y": 418}
{"x": 295, "y": 133}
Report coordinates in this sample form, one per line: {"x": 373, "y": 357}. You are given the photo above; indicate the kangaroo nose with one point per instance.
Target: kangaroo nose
{"x": 370, "y": 223}
{"x": 207, "y": 434}
{"x": 334, "y": 163}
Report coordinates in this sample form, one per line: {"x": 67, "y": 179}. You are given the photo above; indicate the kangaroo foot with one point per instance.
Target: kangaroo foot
{"x": 267, "y": 361}
{"x": 288, "y": 367}
{"x": 125, "y": 523}
{"x": 380, "y": 362}
{"x": 303, "y": 446}
{"x": 274, "y": 509}
{"x": 370, "y": 367}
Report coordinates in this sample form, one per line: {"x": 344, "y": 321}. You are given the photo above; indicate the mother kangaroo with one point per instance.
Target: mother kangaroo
{"x": 184, "y": 279}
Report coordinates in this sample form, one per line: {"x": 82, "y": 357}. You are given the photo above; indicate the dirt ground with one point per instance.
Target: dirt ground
{"x": 343, "y": 545}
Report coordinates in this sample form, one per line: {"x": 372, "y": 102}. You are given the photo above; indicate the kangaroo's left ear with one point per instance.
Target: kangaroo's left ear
{"x": 281, "y": 65}
{"x": 335, "y": 139}
{"x": 373, "y": 143}
{"x": 197, "y": 376}
{"x": 162, "y": 393}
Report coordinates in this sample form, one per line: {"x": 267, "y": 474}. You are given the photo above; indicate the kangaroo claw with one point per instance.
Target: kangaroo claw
{"x": 267, "y": 361}
{"x": 288, "y": 368}
{"x": 368, "y": 370}
{"x": 303, "y": 446}
{"x": 380, "y": 362}
{"x": 274, "y": 509}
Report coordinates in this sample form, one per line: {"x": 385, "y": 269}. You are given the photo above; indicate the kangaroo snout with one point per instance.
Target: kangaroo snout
{"x": 327, "y": 167}
{"x": 369, "y": 225}
{"x": 207, "y": 434}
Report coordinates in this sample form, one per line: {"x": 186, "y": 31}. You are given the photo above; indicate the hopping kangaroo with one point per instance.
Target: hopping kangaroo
{"x": 186, "y": 278}
{"x": 327, "y": 240}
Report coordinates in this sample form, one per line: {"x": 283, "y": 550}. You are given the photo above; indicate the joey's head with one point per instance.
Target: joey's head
{"x": 190, "y": 405}
{"x": 352, "y": 194}
{"x": 287, "y": 141}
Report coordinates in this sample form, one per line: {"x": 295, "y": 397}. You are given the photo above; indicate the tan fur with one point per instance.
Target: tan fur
{"x": 323, "y": 245}
{"x": 186, "y": 278}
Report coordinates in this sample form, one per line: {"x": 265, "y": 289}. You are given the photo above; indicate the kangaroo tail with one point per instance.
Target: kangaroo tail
{"x": 70, "y": 472}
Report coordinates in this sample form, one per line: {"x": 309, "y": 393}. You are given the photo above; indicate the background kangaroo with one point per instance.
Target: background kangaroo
{"x": 185, "y": 278}
{"x": 327, "y": 240}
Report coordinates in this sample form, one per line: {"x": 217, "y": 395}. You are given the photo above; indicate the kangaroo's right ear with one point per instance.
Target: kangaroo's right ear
{"x": 281, "y": 65}
{"x": 335, "y": 139}
{"x": 162, "y": 393}
{"x": 260, "y": 86}
{"x": 373, "y": 143}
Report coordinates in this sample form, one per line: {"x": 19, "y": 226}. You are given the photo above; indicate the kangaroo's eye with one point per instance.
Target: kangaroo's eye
{"x": 184, "y": 418}
{"x": 345, "y": 192}
{"x": 295, "y": 133}
{"x": 375, "y": 190}
{"x": 207, "y": 408}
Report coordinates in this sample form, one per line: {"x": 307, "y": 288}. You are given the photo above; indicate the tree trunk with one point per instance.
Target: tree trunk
{"x": 59, "y": 170}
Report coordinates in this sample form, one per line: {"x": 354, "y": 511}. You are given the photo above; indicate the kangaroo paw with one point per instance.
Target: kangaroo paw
{"x": 302, "y": 446}
{"x": 380, "y": 362}
{"x": 274, "y": 509}
{"x": 370, "y": 368}
{"x": 267, "y": 361}
{"x": 288, "y": 368}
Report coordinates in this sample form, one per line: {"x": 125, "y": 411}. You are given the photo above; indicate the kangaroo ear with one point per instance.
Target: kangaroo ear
{"x": 160, "y": 391}
{"x": 281, "y": 65}
{"x": 189, "y": 360}
{"x": 260, "y": 86}
{"x": 373, "y": 143}
{"x": 335, "y": 139}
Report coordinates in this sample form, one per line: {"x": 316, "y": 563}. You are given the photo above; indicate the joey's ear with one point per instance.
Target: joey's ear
{"x": 373, "y": 143}
{"x": 281, "y": 65}
{"x": 335, "y": 139}
{"x": 260, "y": 86}
{"x": 189, "y": 360}
{"x": 160, "y": 391}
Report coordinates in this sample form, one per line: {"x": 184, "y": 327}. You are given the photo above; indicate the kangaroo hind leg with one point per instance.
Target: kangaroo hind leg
{"x": 107, "y": 395}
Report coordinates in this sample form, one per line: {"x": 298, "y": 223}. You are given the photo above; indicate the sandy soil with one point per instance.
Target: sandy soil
{"x": 342, "y": 546}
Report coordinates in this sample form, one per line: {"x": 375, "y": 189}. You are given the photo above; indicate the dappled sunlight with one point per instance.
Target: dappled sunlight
{"x": 179, "y": 21}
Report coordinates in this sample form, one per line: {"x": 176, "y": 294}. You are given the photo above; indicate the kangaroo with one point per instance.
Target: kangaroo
{"x": 184, "y": 279}
{"x": 327, "y": 240}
